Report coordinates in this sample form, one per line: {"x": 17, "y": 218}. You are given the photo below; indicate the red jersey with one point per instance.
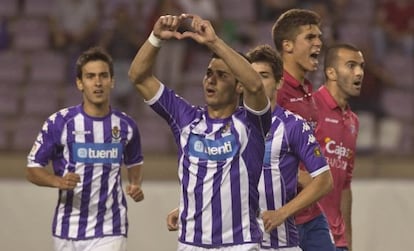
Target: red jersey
{"x": 336, "y": 132}
{"x": 298, "y": 99}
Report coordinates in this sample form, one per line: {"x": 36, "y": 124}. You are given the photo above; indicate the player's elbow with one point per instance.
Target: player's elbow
{"x": 328, "y": 182}
{"x": 29, "y": 175}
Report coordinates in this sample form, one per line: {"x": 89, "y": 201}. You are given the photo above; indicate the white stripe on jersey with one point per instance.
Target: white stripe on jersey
{"x": 226, "y": 203}
{"x": 191, "y": 199}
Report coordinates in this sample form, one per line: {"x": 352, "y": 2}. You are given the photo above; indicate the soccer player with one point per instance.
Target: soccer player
{"x": 289, "y": 141}
{"x": 297, "y": 36}
{"x": 87, "y": 145}
{"x": 220, "y": 145}
{"x": 337, "y": 131}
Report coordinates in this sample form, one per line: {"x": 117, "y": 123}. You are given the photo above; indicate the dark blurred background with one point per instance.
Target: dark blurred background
{"x": 41, "y": 39}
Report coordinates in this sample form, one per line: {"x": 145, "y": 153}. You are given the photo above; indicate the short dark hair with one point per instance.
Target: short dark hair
{"x": 265, "y": 53}
{"x": 331, "y": 54}
{"x": 287, "y": 25}
{"x": 93, "y": 54}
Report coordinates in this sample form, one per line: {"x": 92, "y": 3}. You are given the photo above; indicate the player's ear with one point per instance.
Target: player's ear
{"x": 79, "y": 84}
{"x": 330, "y": 73}
{"x": 239, "y": 88}
{"x": 287, "y": 46}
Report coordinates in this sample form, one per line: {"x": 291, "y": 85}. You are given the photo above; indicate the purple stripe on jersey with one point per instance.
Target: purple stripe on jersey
{"x": 69, "y": 193}
{"x": 216, "y": 206}
{"x": 116, "y": 217}
{"x": 184, "y": 182}
{"x": 236, "y": 200}
{"x": 103, "y": 196}
{"x": 86, "y": 186}
{"x": 199, "y": 196}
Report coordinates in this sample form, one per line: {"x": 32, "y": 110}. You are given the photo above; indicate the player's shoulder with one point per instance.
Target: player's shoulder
{"x": 123, "y": 116}
{"x": 64, "y": 114}
{"x": 288, "y": 117}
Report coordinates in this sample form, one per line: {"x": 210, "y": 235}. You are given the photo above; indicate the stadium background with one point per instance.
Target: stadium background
{"x": 38, "y": 45}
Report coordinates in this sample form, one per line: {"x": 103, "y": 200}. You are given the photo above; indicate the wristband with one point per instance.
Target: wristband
{"x": 156, "y": 42}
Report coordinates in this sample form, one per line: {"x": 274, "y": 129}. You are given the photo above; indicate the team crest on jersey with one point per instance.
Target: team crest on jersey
{"x": 116, "y": 133}
{"x": 226, "y": 128}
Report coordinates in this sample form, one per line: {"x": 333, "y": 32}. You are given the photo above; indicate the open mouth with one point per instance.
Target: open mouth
{"x": 314, "y": 56}
{"x": 357, "y": 83}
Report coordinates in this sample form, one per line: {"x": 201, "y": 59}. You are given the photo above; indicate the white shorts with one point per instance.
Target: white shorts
{"x": 108, "y": 243}
{"x": 282, "y": 249}
{"x": 241, "y": 247}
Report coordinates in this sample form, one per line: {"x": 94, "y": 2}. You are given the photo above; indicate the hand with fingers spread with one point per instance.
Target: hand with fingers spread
{"x": 135, "y": 192}
{"x": 69, "y": 181}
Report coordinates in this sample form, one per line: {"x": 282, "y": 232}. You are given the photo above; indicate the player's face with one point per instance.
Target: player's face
{"x": 306, "y": 48}
{"x": 349, "y": 72}
{"x": 268, "y": 79}
{"x": 96, "y": 84}
{"x": 221, "y": 88}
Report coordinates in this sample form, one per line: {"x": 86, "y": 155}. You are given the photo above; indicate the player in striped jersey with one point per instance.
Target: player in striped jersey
{"x": 220, "y": 145}
{"x": 87, "y": 145}
{"x": 289, "y": 141}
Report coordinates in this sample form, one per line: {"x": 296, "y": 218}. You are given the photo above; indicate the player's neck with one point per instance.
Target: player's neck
{"x": 220, "y": 112}
{"x": 340, "y": 98}
{"x": 96, "y": 110}
{"x": 296, "y": 72}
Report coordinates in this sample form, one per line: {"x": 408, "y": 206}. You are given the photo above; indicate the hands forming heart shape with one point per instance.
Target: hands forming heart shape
{"x": 194, "y": 27}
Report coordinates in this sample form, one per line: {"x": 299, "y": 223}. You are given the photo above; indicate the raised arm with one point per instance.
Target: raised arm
{"x": 141, "y": 70}
{"x": 203, "y": 33}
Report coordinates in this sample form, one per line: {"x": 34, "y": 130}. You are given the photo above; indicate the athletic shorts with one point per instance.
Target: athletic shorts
{"x": 242, "y": 247}
{"x": 315, "y": 235}
{"x": 282, "y": 249}
{"x": 108, "y": 243}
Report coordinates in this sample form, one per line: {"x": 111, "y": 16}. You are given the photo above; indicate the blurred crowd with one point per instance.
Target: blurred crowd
{"x": 40, "y": 39}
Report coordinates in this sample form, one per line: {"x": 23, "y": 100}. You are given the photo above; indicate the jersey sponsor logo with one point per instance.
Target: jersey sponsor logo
{"x": 104, "y": 153}
{"x": 337, "y": 149}
{"x": 330, "y": 120}
{"x": 219, "y": 149}
{"x": 81, "y": 132}
{"x": 296, "y": 99}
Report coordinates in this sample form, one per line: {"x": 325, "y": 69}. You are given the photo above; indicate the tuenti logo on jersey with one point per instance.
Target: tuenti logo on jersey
{"x": 219, "y": 149}
{"x": 105, "y": 153}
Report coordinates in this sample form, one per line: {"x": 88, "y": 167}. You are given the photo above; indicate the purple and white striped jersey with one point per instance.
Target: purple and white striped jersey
{"x": 289, "y": 141}
{"x": 220, "y": 162}
{"x": 94, "y": 148}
